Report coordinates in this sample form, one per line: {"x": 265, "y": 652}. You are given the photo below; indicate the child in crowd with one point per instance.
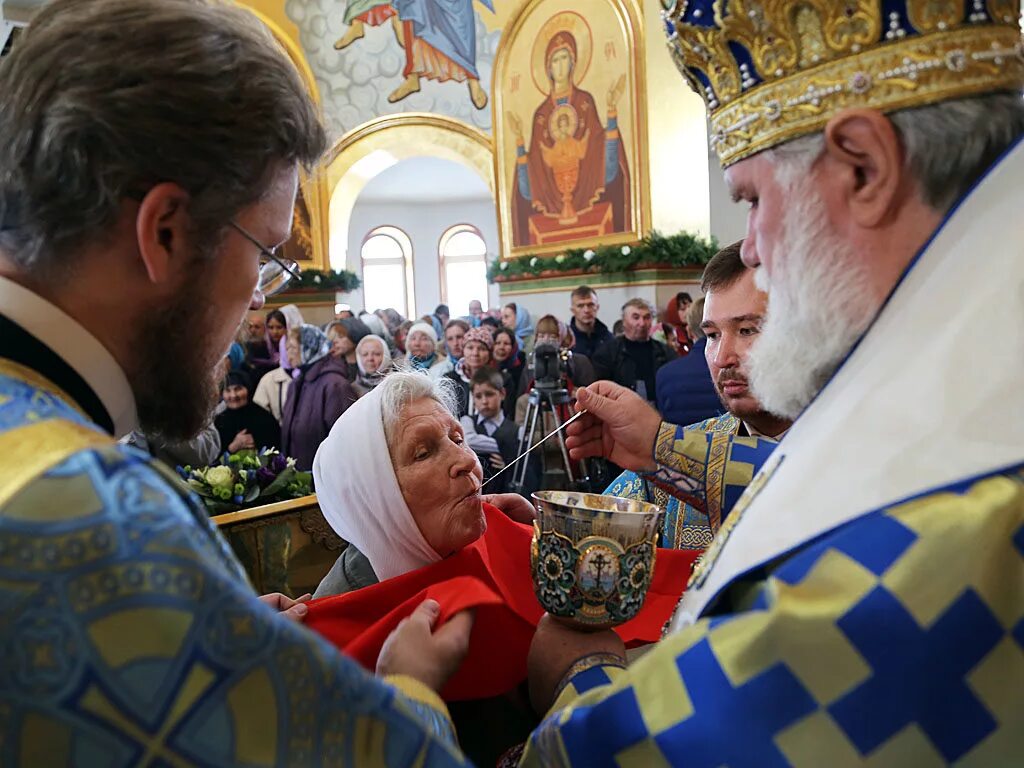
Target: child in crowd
{"x": 494, "y": 437}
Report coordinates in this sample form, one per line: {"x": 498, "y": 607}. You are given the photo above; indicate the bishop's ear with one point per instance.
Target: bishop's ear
{"x": 865, "y": 157}
{"x": 162, "y": 230}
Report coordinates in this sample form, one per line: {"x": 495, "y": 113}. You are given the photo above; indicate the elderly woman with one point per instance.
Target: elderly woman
{"x": 397, "y": 480}
{"x": 377, "y": 477}
{"x": 476, "y": 354}
{"x": 421, "y": 345}
{"x": 318, "y": 395}
{"x": 373, "y": 357}
{"x": 344, "y": 335}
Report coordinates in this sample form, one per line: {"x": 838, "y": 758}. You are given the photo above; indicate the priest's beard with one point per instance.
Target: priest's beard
{"x": 819, "y": 304}
{"x": 174, "y": 379}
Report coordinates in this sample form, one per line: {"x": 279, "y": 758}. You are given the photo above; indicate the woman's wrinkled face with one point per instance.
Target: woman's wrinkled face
{"x": 370, "y": 357}
{"x": 502, "y": 347}
{"x": 475, "y": 356}
{"x": 275, "y": 329}
{"x": 420, "y": 345}
{"x": 429, "y": 447}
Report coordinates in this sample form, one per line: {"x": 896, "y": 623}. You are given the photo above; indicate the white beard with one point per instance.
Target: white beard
{"x": 819, "y": 304}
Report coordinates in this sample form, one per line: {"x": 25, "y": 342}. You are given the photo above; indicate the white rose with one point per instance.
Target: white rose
{"x": 626, "y": 250}
{"x": 533, "y": 262}
{"x": 317, "y": 280}
{"x": 559, "y": 259}
{"x": 504, "y": 266}
{"x": 220, "y": 477}
{"x": 588, "y": 255}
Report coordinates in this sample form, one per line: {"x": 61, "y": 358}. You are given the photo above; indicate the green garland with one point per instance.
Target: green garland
{"x": 682, "y": 250}
{"x": 319, "y": 280}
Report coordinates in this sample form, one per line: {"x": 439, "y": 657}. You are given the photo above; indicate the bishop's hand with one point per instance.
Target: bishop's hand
{"x": 619, "y": 425}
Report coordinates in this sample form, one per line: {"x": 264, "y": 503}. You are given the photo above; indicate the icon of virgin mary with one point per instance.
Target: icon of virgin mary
{"x": 573, "y": 181}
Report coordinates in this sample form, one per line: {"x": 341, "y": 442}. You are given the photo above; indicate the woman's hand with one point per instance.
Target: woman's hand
{"x": 514, "y": 506}
{"x": 416, "y": 650}
{"x": 619, "y": 425}
{"x": 242, "y": 440}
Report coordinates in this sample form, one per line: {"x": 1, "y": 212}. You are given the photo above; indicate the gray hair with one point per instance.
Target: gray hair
{"x": 404, "y": 386}
{"x": 949, "y": 145}
{"x": 103, "y": 100}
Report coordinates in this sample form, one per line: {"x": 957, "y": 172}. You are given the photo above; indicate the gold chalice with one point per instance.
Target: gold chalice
{"x": 592, "y": 556}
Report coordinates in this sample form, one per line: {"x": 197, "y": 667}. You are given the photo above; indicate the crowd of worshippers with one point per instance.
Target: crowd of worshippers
{"x": 285, "y": 382}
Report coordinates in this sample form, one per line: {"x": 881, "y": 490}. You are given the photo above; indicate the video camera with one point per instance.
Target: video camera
{"x": 550, "y": 366}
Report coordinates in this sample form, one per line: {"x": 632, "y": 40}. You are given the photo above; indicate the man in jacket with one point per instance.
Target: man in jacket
{"x": 587, "y": 330}
{"x": 633, "y": 359}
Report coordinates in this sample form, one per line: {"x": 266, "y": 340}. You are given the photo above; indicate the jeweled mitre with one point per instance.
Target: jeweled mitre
{"x": 773, "y": 70}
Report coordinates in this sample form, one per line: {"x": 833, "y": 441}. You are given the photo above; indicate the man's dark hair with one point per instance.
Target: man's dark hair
{"x": 582, "y": 292}
{"x": 724, "y": 269}
{"x": 492, "y": 322}
{"x": 683, "y": 297}
{"x": 442, "y": 309}
{"x": 487, "y": 377}
{"x": 103, "y": 100}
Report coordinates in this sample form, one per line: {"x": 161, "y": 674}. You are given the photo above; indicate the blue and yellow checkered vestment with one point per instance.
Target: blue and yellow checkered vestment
{"x": 895, "y": 640}
{"x": 130, "y": 635}
{"x": 685, "y": 526}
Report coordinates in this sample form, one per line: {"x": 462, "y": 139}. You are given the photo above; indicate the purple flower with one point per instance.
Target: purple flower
{"x": 265, "y": 477}
{"x": 278, "y": 464}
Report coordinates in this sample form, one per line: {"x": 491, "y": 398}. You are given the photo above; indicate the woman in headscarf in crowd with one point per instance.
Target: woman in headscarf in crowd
{"x": 243, "y": 424}
{"x": 265, "y": 353}
{"x": 320, "y": 392}
{"x": 518, "y": 319}
{"x": 423, "y": 354}
{"x": 374, "y": 360}
{"x": 673, "y": 324}
{"x": 507, "y": 354}
{"x": 579, "y": 370}
{"x": 344, "y": 335}
{"x": 476, "y": 354}
{"x": 401, "y": 334}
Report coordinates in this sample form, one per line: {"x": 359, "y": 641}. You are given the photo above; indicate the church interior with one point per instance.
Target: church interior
{"x": 528, "y": 350}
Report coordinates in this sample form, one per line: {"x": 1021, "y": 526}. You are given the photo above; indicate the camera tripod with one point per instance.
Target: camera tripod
{"x": 557, "y": 402}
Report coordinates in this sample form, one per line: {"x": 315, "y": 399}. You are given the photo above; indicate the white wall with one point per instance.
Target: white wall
{"x": 728, "y": 219}
{"x": 424, "y": 223}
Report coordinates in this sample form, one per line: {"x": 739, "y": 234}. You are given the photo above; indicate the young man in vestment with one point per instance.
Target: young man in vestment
{"x": 149, "y": 161}
{"x": 734, "y": 309}
{"x": 863, "y": 601}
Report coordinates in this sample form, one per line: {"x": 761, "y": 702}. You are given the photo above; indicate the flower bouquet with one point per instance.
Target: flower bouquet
{"x": 247, "y": 479}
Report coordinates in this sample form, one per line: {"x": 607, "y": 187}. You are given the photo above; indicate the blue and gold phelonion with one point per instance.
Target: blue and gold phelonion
{"x": 593, "y": 556}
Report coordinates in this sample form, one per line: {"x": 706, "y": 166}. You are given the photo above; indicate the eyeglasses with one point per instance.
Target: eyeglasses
{"x": 275, "y": 272}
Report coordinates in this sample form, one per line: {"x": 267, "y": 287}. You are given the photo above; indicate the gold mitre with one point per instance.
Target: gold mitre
{"x": 773, "y": 70}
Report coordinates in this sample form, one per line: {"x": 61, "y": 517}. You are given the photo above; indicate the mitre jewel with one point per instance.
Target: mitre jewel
{"x": 772, "y": 70}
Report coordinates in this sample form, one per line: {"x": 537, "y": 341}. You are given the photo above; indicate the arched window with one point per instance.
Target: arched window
{"x": 463, "y": 268}
{"x": 387, "y": 271}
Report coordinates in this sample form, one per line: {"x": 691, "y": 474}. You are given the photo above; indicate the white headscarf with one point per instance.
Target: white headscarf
{"x": 359, "y": 494}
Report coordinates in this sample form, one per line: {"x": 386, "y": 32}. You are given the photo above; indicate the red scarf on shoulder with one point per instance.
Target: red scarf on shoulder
{"x": 492, "y": 577}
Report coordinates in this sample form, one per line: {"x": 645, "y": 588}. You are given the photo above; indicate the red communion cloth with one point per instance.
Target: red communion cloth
{"x": 491, "y": 577}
